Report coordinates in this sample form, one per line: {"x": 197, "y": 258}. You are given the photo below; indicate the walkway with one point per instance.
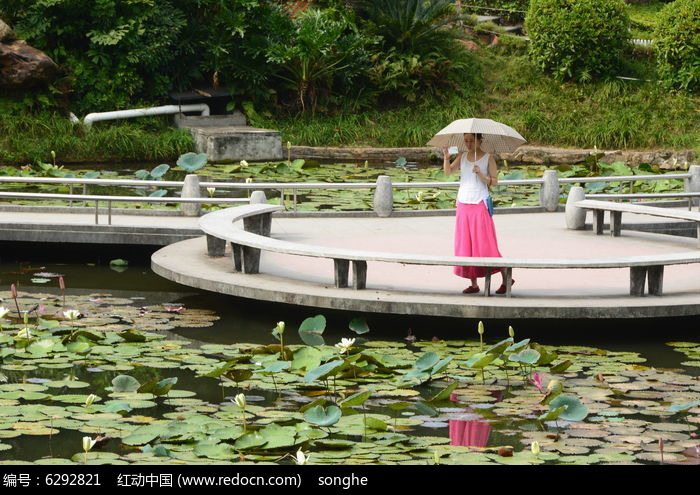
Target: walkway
{"x": 426, "y": 290}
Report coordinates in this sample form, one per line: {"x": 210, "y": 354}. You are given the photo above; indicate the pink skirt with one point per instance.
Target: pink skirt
{"x": 475, "y": 236}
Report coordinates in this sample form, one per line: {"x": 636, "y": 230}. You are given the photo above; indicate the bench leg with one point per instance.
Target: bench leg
{"x": 487, "y": 282}
{"x": 637, "y": 277}
{"x": 698, "y": 229}
{"x": 341, "y": 272}
{"x": 237, "y": 255}
{"x": 215, "y": 246}
{"x": 509, "y": 280}
{"x": 655, "y": 277}
{"x": 615, "y": 223}
{"x": 598, "y": 217}
{"x": 251, "y": 260}
{"x": 359, "y": 274}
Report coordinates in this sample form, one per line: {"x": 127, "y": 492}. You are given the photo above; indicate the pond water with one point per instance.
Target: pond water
{"x": 622, "y": 376}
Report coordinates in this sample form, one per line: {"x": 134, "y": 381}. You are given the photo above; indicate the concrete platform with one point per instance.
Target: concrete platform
{"x": 435, "y": 291}
{"x": 233, "y": 143}
{"x": 59, "y": 226}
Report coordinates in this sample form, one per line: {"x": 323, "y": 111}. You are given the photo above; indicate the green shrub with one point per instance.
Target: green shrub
{"x": 577, "y": 39}
{"x": 419, "y": 52}
{"x": 677, "y": 42}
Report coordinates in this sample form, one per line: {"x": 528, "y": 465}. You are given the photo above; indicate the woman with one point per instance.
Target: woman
{"x": 475, "y": 233}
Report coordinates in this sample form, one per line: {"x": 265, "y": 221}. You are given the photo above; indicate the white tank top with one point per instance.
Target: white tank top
{"x": 471, "y": 189}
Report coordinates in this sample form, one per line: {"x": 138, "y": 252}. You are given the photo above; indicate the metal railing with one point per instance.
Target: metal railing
{"x": 552, "y": 184}
{"x": 110, "y": 199}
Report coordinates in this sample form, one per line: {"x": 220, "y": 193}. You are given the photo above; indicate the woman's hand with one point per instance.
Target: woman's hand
{"x": 446, "y": 153}
{"x": 476, "y": 170}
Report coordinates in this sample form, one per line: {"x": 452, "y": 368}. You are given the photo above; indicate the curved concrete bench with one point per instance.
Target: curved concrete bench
{"x": 617, "y": 209}
{"x": 247, "y": 243}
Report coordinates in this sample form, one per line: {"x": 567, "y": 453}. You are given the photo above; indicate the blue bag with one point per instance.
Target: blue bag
{"x": 489, "y": 205}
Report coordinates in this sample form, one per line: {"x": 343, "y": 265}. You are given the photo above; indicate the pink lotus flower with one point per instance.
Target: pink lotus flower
{"x": 536, "y": 380}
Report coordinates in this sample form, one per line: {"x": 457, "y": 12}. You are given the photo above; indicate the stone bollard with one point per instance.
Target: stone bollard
{"x": 694, "y": 181}
{"x": 190, "y": 189}
{"x": 383, "y": 197}
{"x": 549, "y": 192}
{"x": 693, "y": 184}
{"x": 258, "y": 197}
{"x": 575, "y": 217}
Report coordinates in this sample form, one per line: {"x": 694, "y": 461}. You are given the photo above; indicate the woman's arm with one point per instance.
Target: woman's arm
{"x": 492, "y": 178}
{"x": 447, "y": 167}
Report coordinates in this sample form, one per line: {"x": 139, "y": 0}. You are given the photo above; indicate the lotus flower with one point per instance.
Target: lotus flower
{"x": 280, "y": 327}
{"x": 536, "y": 380}
{"x": 344, "y": 345}
{"x": 240, "y": 401}
{"x": 535, "y": 448}
{"x": 301, "y": 459}
{"x": 71, "y": 314}
{"x": 90, "y": 399}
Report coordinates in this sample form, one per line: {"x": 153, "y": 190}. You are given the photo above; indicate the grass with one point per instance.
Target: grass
{"x": 28, "y": 138}
{"x": 610, "y": 115}
{"x": 643, "y": 18}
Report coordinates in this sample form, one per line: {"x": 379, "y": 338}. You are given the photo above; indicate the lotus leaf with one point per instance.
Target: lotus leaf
{"x": 427, "y": 361}
{"x": 145, "y": 434}
{"x": 191, "y": 161}
{"x": 324, "y": 370}
{"x": 306, "y": 358}
{"x": 356, "y": 399}
{"x": 480, "y": 360}
{"x": 125, "y": 383}
{"x": 311, "y": 330}
{"x": 528, "y": 356}
{"x": 575, "y": 411}
{"x": 359, "y": 326}
{"x": 250, "y": 440}
{"x": 323, "y": 417}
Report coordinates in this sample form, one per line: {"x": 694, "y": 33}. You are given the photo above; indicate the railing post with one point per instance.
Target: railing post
{"x": 549, "y": 193}
{"x": 383, "y": 197}
{"x": 190, "y": 189}
{"x": 575, "y": 216}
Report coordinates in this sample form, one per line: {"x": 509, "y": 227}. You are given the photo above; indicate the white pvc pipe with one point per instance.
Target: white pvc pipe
{"x": 203, "y": 108}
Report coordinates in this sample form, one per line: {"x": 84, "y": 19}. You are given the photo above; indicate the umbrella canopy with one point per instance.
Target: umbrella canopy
{"x": 497, "y": 137}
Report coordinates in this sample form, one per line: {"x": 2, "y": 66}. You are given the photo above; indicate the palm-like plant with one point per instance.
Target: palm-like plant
{"x": 411, "y": 26}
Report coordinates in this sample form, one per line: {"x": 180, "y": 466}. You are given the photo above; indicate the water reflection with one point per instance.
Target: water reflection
{"x": 469, "y": 433}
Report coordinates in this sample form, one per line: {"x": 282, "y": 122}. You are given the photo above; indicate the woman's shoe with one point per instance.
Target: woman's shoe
{"x": 502, "y": 288}
{"x": 471, "y": 290}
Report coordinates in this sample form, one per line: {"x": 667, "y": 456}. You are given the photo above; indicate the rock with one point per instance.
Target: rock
{"x": 6, "y": 32}
{"x": 23, "y": 66}
{"x": 471, "y": 46}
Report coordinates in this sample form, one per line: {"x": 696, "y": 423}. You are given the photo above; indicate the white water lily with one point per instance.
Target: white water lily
{"x": 280, "y": 327}
{"x": 24, "y": 334}
{"x": 302, "y": 459}
{"x": 344, "y": 345}
{"x": 211, "y": 191}
{"x": 244, "y": 163}
{"x": 71, "y": 314}
{"x": 3, "y": 311}
{"x": 535, "y": 448}
{"x": 88, "y": 444}
{"x": 240, "y": 400}
{"x": 90, "y": 400}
